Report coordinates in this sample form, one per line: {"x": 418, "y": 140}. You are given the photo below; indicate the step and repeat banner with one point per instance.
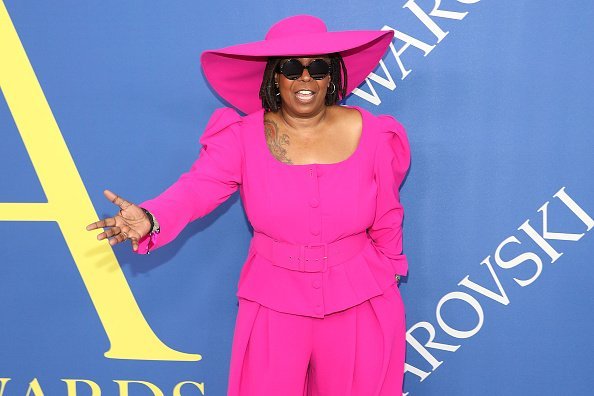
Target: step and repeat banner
{"x": 496, "y": 97}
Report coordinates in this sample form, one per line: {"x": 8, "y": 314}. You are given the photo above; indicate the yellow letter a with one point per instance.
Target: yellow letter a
{"x": 70, "y": 206}
{"x": 3, "y": 382}
{"x": 34, "y": 388}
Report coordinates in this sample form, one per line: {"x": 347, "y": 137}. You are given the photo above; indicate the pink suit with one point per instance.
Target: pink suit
{"x": 320, "y": 312}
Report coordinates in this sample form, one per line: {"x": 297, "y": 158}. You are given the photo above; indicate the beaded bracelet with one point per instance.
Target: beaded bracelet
{"x": 151, "y": 219}
{"x": 154, "y": 230}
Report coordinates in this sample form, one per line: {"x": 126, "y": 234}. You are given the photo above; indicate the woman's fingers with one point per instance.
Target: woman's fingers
{"x": 116, "y": 199}
{"x": 119, "y": 225}
{"x": 133, "y": 236}
{"x": 119, "y": 235}
{"x": 107, "y": 222}
{"x": 134, "y": 244}
{"x": 109, "y": 195}
{"x": 109, "y": 233}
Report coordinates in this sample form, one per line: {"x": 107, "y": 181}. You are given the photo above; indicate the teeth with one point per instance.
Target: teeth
{"x": 305, "y": 92}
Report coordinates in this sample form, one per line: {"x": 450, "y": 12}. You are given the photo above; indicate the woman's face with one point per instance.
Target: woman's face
{"x": 304, "y": 95}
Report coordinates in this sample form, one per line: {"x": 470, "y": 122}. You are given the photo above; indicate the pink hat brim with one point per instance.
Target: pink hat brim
{"x": 236, "y": 72}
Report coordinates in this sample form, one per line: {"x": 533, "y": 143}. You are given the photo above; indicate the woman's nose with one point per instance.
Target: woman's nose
{"x": 305, "y": 75}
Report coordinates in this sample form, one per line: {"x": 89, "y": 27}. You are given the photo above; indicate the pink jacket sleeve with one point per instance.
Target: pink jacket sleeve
{"x": 213, "y": 177}
{"x": 392, "y": 160}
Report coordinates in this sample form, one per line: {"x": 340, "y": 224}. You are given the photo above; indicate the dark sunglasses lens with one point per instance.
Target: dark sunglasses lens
{"x": 318, "y": 69}
{"x": 292, "y": 69}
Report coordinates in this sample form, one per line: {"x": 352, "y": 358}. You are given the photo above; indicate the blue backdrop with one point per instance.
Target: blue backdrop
{"x": 496, "y": 97}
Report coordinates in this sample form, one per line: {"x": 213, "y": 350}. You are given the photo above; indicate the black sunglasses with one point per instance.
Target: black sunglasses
{"x": 317, "y": 69}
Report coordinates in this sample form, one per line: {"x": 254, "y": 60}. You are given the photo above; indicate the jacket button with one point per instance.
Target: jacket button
{"x": 314, "y": 203}
{"x": 318, "y": 309}
{"x": 315, "y": 230}
{"x": 316, "y": 284}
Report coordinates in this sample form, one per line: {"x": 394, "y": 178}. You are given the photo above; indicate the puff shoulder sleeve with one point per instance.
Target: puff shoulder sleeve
{"x": 392, "y": 160}
{"x": 213, "y": 177}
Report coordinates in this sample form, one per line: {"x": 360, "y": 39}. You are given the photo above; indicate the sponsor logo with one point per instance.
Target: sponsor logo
{"x": 407, "y": 41}
{"x": 423, "y": 336}
{"x": 124, "y": 387}
{"x": 69, "y": 205}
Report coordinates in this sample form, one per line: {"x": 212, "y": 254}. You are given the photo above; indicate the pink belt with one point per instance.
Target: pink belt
{"x": 311, "y": 257}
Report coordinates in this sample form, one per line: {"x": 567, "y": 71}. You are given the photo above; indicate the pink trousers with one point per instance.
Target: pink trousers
{"x": 355, "y": 352}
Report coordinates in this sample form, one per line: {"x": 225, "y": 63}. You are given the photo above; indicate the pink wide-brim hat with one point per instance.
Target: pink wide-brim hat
{"x": 236, "y": 72}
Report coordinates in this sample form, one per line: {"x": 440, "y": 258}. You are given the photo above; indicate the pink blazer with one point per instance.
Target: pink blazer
{"x": 326, "y": 236}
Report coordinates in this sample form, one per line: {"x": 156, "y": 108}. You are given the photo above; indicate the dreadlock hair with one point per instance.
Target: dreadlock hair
{"x": 271, "y": 100}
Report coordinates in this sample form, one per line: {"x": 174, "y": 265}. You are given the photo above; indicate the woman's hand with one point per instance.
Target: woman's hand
{"x": 130, "y": 223}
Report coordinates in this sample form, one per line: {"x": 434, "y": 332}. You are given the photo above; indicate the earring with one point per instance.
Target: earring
{"x": 277, "y": 89}
{"x": 333, "y": 88}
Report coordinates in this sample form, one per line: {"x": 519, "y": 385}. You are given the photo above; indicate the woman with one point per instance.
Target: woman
{"x": 320, "y": 312}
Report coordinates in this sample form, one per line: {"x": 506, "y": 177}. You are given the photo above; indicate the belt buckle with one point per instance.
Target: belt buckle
{"x": 303, "y": 261}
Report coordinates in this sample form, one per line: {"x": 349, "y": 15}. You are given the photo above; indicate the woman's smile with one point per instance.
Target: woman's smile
{"x": 305, "y": 95}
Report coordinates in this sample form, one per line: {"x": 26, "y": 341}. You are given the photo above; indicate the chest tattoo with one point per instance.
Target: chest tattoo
{"x": 275, "y": 141}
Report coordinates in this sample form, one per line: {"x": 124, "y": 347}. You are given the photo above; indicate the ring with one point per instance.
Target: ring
{"x": 125, "y": 235}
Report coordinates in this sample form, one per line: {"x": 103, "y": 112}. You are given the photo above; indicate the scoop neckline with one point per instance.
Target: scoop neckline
{"x": 349, "y": 158}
